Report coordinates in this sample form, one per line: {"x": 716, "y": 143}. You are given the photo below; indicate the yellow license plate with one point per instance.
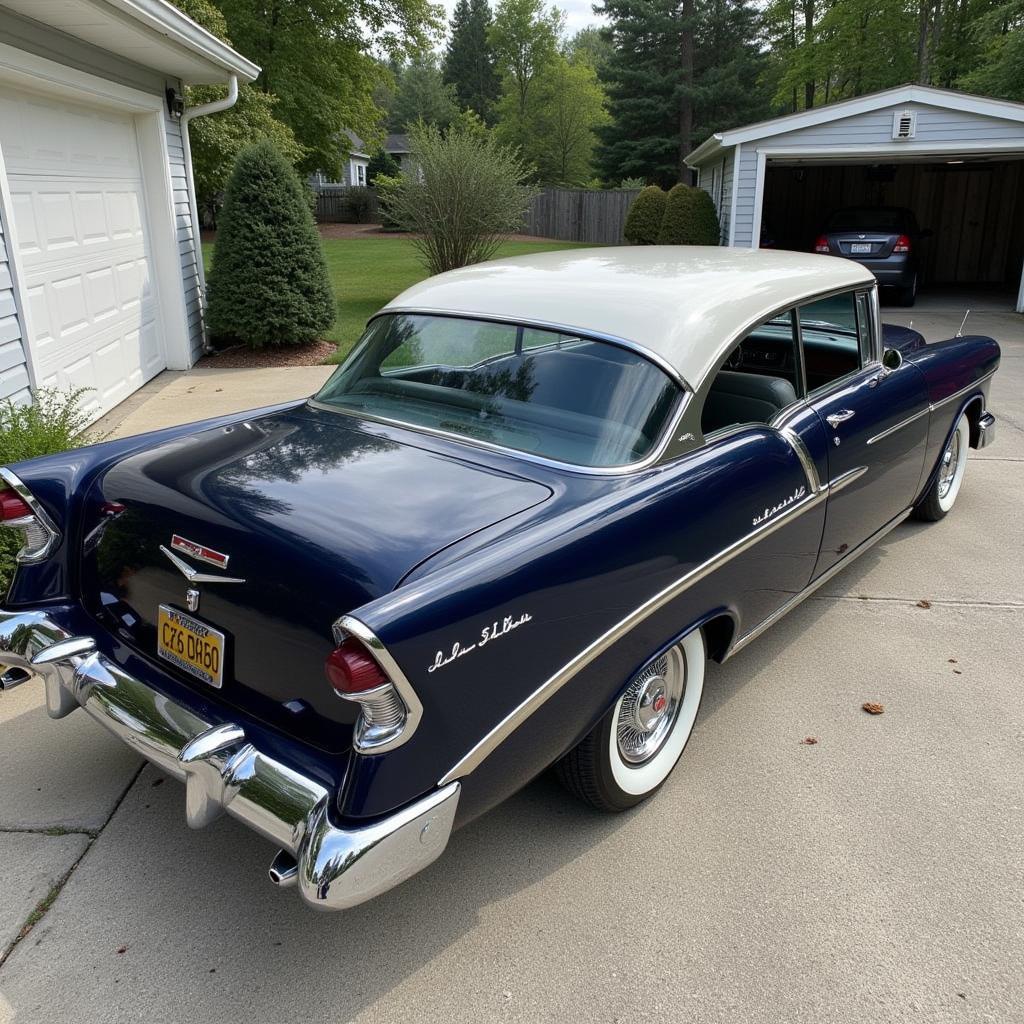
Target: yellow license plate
{"x": 191, "y": 645}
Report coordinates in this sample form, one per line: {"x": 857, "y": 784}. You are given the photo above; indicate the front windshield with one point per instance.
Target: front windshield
{"x": 564, "y": 397}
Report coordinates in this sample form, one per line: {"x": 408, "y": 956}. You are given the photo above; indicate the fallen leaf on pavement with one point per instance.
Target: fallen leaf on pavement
{"x": 872, "y": 708}
{"x": 809, "y": 741}
{"x": 923, "y": 603}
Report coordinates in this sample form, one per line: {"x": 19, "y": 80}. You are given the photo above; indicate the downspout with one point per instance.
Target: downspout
{"x": 193, "y": 207}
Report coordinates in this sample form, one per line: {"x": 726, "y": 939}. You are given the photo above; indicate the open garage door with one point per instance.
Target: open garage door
{"x": 974, "y": 209}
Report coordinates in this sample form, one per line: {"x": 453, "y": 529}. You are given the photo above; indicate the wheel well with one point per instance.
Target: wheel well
{"x": 718, "y": 634}
{"x": 973, "y": 412}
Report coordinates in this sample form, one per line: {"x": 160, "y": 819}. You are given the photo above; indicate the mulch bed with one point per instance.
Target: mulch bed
{"x": 240, "y": 357}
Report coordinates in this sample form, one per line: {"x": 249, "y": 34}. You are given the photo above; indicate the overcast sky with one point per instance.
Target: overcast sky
{"x": 578, "y": 13}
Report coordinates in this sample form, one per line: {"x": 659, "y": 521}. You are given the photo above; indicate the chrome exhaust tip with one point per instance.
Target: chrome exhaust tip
{"x": 284, "y": 871}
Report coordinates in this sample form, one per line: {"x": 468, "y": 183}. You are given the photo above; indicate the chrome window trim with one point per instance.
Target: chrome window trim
{"x": 348, "y": 625}
{"x": 683, "y": 396}
{"x": 737, "y": 336}
{"x": 479, "y": 752}
{"x": 646, "y": 462}
{"x": 47, "y": 524}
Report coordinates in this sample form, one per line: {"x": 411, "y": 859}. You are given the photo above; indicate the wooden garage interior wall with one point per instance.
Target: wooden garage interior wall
{"x": 975, "y": 211}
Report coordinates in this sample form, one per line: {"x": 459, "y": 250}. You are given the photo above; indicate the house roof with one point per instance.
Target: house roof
{"x": 903, "y": 94}
{"x": 397, "y": 142}
{"x": 357, "y": 147}
{"x": 152, "y": 33}
{"x": 685, "y": 306}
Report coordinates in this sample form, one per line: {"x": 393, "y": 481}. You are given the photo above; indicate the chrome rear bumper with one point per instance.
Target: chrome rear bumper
{"x": 334, "y": 867}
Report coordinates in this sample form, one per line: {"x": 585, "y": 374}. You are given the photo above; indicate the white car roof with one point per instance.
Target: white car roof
{"x": 684, "y": 305}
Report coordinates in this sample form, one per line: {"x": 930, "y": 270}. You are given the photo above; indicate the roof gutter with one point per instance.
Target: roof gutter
{"x": 204, "y": 109}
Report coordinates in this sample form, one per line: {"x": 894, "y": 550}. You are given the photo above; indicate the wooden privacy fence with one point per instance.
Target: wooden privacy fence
{"x": 580, "y": 214}
{"x": 346, "y": 206}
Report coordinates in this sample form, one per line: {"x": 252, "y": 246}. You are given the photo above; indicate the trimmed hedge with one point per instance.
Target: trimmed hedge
{"x": 643, "y": 222}
{"x": 690, "y": 218}
{"x": 268, "y": 284}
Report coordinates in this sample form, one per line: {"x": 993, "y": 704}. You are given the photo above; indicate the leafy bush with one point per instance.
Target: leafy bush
{"x": 269, "y": 283}
{"x": 690, "y": 218}
{"x": 463, "y": 193}
{"x": 643, "y": 222}
{"x": 384, "y": 163}
{"x": 359, "y": 203}
{"x": 53, "y": 423}
{"x": 632, "y": 183}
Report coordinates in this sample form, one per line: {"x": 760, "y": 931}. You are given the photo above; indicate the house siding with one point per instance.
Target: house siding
{"x": 934, "y": 125}
{"x": 189, "y": 248}
{"x": 746, "y": 186}
{"x": 722, "y": 196}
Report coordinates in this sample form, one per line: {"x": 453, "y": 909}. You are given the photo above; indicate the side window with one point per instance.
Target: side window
{"x": 831, "y": 340}
{"x": 759, "y": 378}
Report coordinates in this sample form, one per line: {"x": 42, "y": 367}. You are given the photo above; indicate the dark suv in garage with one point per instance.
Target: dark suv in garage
{"x": 885, "y": 239}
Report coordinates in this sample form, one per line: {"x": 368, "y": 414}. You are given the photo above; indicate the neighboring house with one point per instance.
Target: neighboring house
{"x": 397, "y": 145}
{"x": 956, "y": 160}
{"x": 100, "y": 281}
{"x": 353, "y": 170}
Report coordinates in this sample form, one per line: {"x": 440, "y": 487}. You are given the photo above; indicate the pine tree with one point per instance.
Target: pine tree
{"x": 679, "y": 70}
{"x": 269, "y": 283}
{"x": 469, "y": 58}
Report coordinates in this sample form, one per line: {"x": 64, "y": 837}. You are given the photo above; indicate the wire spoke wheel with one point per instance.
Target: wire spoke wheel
{"x": 649, "y": 707}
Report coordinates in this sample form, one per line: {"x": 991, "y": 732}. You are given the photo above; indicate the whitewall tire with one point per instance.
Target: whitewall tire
{"x": 633, "y": 749}
{"x": 942, "y": 494}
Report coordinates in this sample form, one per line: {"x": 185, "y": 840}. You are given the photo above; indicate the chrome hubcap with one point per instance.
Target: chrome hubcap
{"x": 649, "y": 707}
{"x": 950, "y": 462}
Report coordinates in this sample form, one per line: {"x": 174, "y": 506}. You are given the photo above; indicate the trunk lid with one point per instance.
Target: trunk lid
{"x": 864, "y": 244}
{"x": 316, "y": 515}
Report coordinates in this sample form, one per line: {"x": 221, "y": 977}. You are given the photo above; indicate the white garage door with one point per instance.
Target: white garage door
{"x": 79, "y": 219}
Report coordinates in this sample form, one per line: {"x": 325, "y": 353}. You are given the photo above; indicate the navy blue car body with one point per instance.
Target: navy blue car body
{"x": 507, "y": 602}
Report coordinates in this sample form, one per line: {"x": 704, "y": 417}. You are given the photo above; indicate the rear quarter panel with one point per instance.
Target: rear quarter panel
{"x": 479, "y": 636}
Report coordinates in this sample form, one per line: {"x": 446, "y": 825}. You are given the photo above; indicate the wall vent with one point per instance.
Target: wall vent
{"x": 904, "y": 124}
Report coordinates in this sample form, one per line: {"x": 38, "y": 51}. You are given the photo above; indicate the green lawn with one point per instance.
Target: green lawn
{"x": 369, "y": 272}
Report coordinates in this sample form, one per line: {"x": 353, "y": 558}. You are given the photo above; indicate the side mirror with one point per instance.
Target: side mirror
{"x": 892, "y": 359}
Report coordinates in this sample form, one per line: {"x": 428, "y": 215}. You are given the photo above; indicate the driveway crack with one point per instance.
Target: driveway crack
{"x": 50, "y": 898}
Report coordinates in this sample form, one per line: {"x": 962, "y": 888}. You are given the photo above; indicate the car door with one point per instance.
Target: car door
{"x": 873, "y": 416}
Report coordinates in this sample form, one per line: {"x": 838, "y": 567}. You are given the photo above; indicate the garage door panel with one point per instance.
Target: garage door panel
{"x": 79, "y": 214}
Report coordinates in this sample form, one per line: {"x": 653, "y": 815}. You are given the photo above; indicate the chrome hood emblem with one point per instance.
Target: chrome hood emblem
{"x": 193, "y": 575}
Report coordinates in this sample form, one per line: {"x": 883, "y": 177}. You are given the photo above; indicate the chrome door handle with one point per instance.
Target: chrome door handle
{"x": 840, "y": 417}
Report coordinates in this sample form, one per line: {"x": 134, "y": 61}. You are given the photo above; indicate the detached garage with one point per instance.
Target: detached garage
{"x": 100, "y": 282}
{"x": 955, "y": 161}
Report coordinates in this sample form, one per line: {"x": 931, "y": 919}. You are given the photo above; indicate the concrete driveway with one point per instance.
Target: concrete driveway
{"x": 877, "y": 875}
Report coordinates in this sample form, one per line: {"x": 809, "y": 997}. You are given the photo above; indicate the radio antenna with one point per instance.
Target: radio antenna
{"x": 960, "y": 331}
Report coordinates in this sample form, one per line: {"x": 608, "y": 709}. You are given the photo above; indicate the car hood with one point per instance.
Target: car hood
{"x": 317, "y": 516}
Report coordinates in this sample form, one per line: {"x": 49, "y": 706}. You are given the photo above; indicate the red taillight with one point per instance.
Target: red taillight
{"x": 351, "y": 670}
{"x": 12, "y": 506}
{"x": 821, "y": 245}
{"x": 902, "y": 244}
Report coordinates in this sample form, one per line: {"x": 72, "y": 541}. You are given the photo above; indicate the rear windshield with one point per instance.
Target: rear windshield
{"x": 564, "y": 397}
{"x": 877, "y": 219}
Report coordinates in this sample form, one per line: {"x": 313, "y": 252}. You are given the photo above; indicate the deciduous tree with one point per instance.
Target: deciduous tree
{"x": 316, "y": 58}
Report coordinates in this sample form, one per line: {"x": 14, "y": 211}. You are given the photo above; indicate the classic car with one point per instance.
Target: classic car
{"x": 507, "y": 534}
